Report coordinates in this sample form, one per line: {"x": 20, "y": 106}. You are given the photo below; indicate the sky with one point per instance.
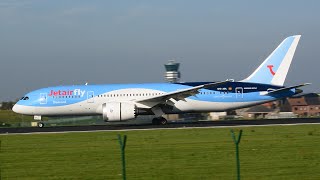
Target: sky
{"x": 62, "y": 42}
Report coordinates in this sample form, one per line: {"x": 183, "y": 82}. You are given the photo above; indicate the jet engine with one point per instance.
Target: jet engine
{"x": 118, "y": 111}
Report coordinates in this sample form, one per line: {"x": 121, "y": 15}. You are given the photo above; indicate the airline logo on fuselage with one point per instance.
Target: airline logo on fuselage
{"x": 76, "y": 92}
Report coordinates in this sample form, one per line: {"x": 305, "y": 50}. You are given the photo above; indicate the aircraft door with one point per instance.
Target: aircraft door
{"x": 239, "y": 92}
{"x": 90, "y": 97}
{"x": 43, "y": 98}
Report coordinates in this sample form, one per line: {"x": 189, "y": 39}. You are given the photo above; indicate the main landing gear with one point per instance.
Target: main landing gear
{"x": 159, "y": 121}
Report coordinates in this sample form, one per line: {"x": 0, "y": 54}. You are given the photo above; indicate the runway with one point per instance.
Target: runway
{"x": 198, "y": 124}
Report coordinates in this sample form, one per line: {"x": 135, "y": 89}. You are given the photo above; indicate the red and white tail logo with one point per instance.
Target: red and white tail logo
{"x": 271, "y": 70}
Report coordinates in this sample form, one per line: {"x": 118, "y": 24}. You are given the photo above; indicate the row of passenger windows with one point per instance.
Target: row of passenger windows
{"x": 151, "y": 94}
{"x": 210, "y": 92}
{"x": 128, "y": 95}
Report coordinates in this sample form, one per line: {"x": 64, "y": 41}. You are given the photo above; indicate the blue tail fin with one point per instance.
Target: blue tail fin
{"x": 275, "y": 68}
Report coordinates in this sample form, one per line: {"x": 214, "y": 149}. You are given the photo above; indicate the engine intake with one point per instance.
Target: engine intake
{"x": 118, "y": 111}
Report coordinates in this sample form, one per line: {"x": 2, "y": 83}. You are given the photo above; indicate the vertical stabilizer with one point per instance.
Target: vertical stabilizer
{"x": 275, "y": 68}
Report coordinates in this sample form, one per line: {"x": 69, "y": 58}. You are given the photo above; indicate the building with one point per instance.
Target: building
{"x": 304, "y": 106}
{"x": 257, "y": 112}
{"x": 172, "y": 73}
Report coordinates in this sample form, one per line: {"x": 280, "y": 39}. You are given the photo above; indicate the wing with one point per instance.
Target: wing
{"x": 177, "y": 95}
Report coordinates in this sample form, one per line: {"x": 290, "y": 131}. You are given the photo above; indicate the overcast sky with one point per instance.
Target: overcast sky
{"x": 48, "y": 43}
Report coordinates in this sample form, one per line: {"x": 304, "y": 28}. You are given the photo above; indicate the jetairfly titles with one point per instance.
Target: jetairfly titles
{"x": 76, "y": 92}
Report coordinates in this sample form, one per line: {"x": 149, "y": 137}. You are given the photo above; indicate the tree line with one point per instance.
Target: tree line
{"x": 7, "y": 105}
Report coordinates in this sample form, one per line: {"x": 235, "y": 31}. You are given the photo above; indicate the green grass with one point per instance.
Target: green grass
{"x": 279, "y": 152}
{"x": 8, "y": 116}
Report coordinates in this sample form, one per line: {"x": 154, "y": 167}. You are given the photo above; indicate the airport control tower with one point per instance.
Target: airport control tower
{"x": 172, "y": 73}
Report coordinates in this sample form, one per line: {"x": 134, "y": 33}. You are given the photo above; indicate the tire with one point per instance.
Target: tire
{"x": 40, "y": 125}
{"x": 163, "y": 121}
{"x": 159, "y": 121}
{"x": 155, "y": 121}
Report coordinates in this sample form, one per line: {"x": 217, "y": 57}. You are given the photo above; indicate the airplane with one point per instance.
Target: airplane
{"x": 121, "y": 102}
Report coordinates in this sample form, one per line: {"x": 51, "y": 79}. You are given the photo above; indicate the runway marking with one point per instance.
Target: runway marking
{"x": 152, "y": 129}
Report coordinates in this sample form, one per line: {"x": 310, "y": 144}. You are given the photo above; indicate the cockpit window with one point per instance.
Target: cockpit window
{"x": 22, "y": 98}
{"x": 25, "y": 98}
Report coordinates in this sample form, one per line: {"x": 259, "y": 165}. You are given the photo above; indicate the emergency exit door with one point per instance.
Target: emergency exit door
{"x": 90, "y": 97}
{"x": 239, "y": 92}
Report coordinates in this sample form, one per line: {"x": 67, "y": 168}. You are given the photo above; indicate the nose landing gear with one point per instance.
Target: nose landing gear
{"x": 40, "y": 124}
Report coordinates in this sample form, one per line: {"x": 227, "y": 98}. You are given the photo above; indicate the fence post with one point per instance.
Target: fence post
{"x": 123, "y": 158}
{"x": 0, "y": 160}
{"x": 237, "y": 142}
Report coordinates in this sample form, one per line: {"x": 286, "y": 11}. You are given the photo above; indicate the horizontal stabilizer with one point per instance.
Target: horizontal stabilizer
{"x": 286, "y": 88}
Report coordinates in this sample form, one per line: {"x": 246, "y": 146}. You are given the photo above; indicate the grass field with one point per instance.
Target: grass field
{"x": 8, "y": 116}
{"x": 278, "y": 152}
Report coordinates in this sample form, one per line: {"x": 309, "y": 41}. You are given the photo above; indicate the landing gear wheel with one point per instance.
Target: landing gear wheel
{"x": 155, "y": 121}
{"x": 40, "y": 124}
{"x": 163, "y": 121}
{"x": 159, "y": 121}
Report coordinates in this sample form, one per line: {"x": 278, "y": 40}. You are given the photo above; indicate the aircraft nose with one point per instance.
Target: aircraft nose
{"x": 16, "y": 108}
{"x": 22, "y": 109}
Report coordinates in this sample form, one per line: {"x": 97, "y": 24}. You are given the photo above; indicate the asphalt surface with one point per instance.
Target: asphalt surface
{"x": 168, "y": 126}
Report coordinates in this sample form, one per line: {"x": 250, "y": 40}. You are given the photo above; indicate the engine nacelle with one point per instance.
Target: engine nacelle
{"x": 118, "y": 111}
